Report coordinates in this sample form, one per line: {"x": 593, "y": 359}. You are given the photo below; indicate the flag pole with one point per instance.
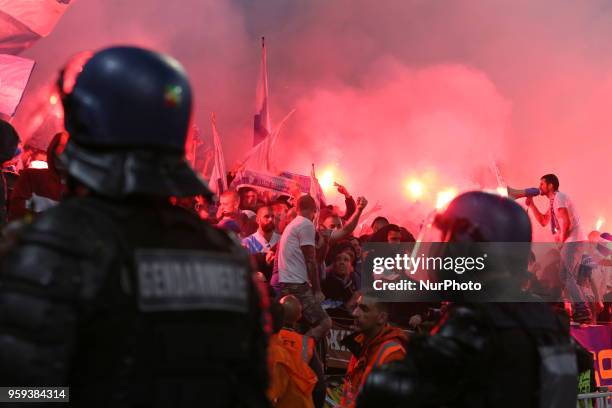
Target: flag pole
{"x": 314, "y": 184}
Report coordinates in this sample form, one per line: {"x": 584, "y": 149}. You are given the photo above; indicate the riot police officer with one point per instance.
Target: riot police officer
{"x": 128, "y": 300}
{"x": 485, "y": 353}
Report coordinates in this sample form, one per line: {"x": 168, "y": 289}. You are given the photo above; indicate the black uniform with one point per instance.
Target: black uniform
{"x": 490, "y": 353}
{"x": 127, "y": 300}
{"x": 483, "y": 355}
{"x": 134, "y": 303}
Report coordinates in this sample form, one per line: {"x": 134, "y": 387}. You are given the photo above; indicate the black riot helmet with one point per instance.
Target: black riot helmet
{"x": 473, "y": 224}
{"x": 128, "y": 112}
{"x": 482, "y": 217}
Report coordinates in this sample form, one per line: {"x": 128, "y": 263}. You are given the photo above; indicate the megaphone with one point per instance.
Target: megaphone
{"x": 515, "y": 193}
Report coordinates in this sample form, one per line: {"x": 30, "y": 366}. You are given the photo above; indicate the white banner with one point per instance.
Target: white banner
{"x": 40, "y": 16}
{"x": 14, "y": 76}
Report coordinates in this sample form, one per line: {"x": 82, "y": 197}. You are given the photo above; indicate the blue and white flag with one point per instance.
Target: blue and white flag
{"x": 218, "y": 178}
{"x": 261, "y": 121}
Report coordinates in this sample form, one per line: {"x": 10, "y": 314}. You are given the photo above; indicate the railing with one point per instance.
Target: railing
{"x": 595, "y": 400}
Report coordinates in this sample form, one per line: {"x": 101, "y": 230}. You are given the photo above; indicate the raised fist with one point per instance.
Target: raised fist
{"x": 361, "y": 203}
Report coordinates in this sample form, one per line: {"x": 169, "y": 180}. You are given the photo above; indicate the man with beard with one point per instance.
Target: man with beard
{"x": 375, "y": 344}
{"x": 561, "y": 215}
{"x": 265, "y": 238}
{"x": 564, "y": 223}
{"x": 262, "y": 244}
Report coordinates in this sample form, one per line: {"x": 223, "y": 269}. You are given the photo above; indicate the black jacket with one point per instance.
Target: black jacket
{"x": 132, "y": 304}
{"x": 483, "y": 355}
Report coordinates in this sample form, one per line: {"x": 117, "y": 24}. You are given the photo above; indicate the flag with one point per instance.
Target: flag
{"x": 14, "y": 36}
{"x": 316, "y": 192}
{"x": 218, "y": 177}
{"x": 303, "y": 182}
{"x": 40, "y": 16}
{"x": 261, "y": 120}
{"x": 191, "y": 144}
{"x": 260, "y": 158}
{"x": 14, "y": 76}
{"x": 281, "y": 184}
{"x": 196, "y": 152}
{"x": 208, "y": 157}
{"x": 22, "y": 22}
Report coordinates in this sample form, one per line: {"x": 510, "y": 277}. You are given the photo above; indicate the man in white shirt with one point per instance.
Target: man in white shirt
{"x": 565, "y": 227}
{"x": 297, "y": 267}
{"x": 561, "y": 214}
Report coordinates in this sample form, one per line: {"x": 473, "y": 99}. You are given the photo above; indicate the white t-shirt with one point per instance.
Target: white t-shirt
{"x": 561, "y": 200}
{"x": 291, "y": 264}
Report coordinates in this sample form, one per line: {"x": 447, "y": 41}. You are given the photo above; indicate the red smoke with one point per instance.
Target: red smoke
{"x": 389, "y": 91}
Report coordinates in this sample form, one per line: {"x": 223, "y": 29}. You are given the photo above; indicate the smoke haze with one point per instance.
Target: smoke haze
{"x": 389, "y": 91}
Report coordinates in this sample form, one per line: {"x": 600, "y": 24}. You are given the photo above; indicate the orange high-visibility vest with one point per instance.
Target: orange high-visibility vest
{"x": 291, "y": 379}
{"x": 359, "y": 368}
{"x": 381, "y": 358}
{"x": 298, "y": 344}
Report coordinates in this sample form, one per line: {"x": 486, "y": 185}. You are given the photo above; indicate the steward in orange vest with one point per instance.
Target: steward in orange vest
{"x": 375, "y": 344}
{"x": 291, "y": 380}
{"x": 289, "y": 353}
{"x": 299, "y": 345}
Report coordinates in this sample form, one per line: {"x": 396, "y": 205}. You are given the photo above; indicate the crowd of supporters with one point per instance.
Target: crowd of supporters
{"x": 309, "y": 257}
